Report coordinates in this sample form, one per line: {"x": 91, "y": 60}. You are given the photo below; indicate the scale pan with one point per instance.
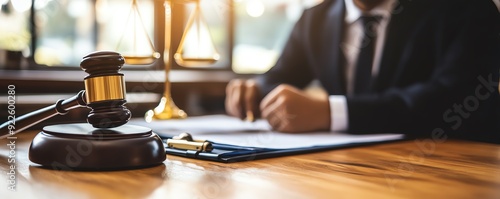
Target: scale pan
{"x": 141, "y": 60}
{"x": 195, "y": 62}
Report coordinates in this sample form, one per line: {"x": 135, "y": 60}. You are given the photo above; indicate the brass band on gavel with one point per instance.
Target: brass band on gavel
{"x": 103, "y": 88}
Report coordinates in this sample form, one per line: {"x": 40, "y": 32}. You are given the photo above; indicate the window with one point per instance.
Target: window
{"x": 13, "y": 25}
{"x": 14, "y": 32}
{"x": 261, "y": 29}
{"x": 65, "y": 32}
{"x": 68, "y": 30}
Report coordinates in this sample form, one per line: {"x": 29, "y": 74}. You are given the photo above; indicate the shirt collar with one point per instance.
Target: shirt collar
{"x": 352, "y": 12}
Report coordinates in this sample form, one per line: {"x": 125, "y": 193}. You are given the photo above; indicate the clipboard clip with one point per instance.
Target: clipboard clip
{"x": 186, "y": 142}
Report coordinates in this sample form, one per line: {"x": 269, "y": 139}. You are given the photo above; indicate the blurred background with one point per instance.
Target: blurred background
{"x": 43, "y": 41}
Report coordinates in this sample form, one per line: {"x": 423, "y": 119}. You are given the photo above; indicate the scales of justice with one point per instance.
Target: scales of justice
{"x": 106, "y": 141}
{"x": 195, "y": 49}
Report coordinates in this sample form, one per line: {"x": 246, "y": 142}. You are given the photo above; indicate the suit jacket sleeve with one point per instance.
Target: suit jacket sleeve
{"x": 291, "y": 68}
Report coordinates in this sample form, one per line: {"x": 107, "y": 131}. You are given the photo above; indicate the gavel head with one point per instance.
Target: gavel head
{"x": 105, "y": 89}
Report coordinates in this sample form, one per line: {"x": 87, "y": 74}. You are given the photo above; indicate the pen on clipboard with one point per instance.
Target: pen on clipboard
{"x": 185, "y": 141}
{"x": 203, "y": 146}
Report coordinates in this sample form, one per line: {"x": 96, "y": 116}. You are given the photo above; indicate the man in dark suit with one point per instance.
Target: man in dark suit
{"x": 389, "y": 66}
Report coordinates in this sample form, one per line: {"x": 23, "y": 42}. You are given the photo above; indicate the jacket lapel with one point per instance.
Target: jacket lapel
{"x": 397, "y": 35}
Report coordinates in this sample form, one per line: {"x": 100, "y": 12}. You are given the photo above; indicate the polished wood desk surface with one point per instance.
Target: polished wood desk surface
{"x": 406, "y": 169}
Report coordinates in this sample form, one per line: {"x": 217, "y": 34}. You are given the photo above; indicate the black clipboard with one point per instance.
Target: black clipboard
{"x": 231, "y": 153}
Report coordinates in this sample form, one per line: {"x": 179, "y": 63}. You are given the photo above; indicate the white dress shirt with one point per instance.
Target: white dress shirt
{"x": 350, "y": 46}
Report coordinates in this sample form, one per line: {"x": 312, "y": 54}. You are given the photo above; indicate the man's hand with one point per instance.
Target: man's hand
{"x": 288, "y": 109}
{"x": 242, "y": 99}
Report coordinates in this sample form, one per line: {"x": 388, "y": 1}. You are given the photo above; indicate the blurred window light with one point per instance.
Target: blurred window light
{"x": 21, "y": 5}
{"x": 255, "y": 8}
{"x": 40, "y": 4}
{"x": 261, "y": 29}
{"x": 14, "y": 32}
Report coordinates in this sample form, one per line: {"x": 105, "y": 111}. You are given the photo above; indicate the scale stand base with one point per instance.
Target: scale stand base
{"x": 83, "y": 147}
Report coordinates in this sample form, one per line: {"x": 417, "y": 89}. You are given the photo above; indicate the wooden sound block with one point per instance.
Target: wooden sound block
{"x": 83, "y": 147}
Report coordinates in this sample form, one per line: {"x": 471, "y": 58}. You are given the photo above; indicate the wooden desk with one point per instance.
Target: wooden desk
{"x": 453, "y": 169}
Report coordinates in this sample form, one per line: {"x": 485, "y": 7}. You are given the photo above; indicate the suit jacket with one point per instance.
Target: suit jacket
{"x": 438, "y": 72}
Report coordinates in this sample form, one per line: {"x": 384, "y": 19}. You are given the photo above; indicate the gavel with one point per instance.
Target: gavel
{"x": 116, "y": 144}
{"x": 104, "y": 94}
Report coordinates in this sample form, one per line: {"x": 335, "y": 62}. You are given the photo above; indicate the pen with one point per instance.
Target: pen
{"x": 250, "y": 117}
{"x": 190, "y": 145}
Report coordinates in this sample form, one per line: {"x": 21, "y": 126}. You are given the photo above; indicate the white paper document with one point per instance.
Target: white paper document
{"x": 229, "y": 130}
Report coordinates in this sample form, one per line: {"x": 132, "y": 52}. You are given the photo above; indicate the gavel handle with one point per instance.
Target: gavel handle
{"x": 23, "y": 122}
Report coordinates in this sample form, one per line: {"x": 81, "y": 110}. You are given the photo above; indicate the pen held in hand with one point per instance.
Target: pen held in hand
{"x": 250, "y": 117}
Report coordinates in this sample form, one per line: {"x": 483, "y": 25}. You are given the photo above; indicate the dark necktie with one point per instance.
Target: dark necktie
{"x": 363, "y": 75}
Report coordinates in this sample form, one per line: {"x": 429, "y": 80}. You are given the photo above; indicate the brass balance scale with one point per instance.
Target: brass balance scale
{"x": 196, "y": 49}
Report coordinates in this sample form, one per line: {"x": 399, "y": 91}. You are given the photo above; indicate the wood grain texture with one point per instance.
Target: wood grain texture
{"x": 407, "y": 169}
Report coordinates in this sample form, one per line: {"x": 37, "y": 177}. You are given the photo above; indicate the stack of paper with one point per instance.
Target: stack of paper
{"x": 229, "y": 130}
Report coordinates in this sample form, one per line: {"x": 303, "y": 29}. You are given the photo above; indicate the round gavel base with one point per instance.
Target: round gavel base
{"x": 83, "y": 147}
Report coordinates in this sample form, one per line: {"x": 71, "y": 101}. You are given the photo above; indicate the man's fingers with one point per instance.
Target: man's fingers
{"x": 271, "y": 110}
{"x": 276, "y": 115}
{"x": 272, "y": 96}
{"x": 229, "y": 104}
{"x": 250, "y": 100}
{"x": 240, "y": 94}
{"x": 241, "y": 99}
